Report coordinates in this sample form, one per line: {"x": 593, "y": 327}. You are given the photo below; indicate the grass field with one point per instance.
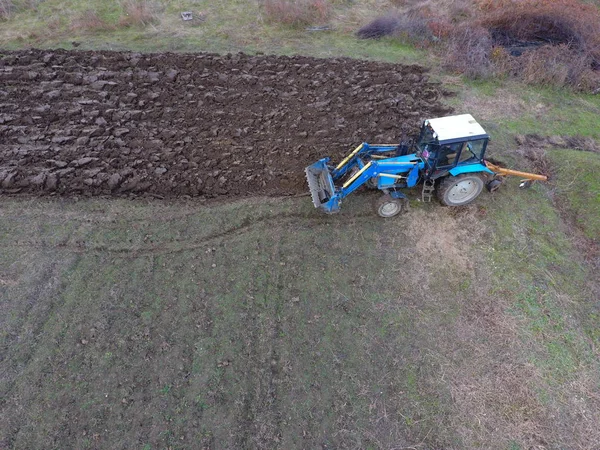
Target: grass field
{"x": 232, "y": 26}
{"x": 263, "y": 324}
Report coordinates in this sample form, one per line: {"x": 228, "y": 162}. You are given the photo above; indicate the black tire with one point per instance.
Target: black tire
{"x": 388, "y": 206}
{"x": 493, "y": 185}
{"x": 371, "y": 183}
{"x": 460, "y": 190}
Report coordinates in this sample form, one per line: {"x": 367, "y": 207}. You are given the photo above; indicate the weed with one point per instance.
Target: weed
{"x": 578, "y": 189}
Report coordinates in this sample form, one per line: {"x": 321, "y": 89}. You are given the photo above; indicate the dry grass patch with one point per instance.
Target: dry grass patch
{"x": 139, "y": 13}
{"x": 89, "y": 20}
{"x": 10, "y": 7}
{"x": 297, "y": 12}
{"x": 6, "y": 8}
{"x": 469, "y": 51}
{"x": 541, "y": 42}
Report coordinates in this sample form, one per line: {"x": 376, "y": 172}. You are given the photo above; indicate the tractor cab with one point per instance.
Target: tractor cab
{"x": 448, "y": 142}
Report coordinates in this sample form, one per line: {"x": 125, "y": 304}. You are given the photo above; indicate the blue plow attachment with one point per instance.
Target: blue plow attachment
{"x": 321, "y": 186}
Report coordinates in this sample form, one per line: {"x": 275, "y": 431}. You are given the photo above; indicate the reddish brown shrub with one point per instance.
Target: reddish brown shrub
{"x": 469, "y": 51}
{"x": 440, "y": 28}
{"x": 297, "y": 12}
{"x": 556, "y": 22}
{"x": 550, "y": 42}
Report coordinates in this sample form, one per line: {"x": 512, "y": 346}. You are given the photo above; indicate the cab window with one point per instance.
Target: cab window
{"x": 472, "y": 151}
{"x": 447, "y": 155}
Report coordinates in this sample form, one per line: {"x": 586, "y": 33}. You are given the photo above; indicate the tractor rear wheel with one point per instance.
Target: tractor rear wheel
{"x": 388, "y": 206}
{"x": 460, "y": 190}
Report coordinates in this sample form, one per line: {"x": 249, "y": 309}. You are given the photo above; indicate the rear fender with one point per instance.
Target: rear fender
{"x": 469, "y": 168}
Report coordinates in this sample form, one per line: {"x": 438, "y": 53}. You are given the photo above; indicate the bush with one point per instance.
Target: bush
{"x": 297, "y": 12}
{"x": 469, "y": 51}
{"x": 382, "y": 26}
{"x": 548, "y": 42}
{"x": 418, "y": 26}
{"x": 567, "y": 23}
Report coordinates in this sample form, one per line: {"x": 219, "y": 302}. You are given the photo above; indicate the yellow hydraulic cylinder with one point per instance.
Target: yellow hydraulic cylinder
{"x": 356, "y": 175}
{"x": 347, "y": 158}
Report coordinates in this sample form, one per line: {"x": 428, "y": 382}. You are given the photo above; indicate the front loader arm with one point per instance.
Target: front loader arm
{"x": 355, "y": 158}
{"x": 328, "y": 197}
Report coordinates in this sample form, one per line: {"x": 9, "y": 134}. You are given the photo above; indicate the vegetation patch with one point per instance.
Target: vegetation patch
{"x": 541, "y": 42}
{"x": 10, "y": 7}
{"x": 139, "y": 13}
{"x": 578, "y": 188}
{"x": 546, "y": 42}
{"x": 90, "y": 20}
{"x": 297, "y": 13}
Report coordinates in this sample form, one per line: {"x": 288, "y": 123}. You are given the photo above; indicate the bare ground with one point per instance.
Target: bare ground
{"x": 199, "y": 125}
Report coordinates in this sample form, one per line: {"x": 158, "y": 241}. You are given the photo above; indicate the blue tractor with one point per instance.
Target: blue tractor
{"x": 447, "y": 158}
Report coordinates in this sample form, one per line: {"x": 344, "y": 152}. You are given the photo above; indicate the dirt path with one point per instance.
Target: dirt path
{"x": 201, "y": 125}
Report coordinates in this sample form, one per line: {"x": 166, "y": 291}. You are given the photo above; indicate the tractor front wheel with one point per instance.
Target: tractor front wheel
{"x": 388, "y": 206}
{"x": 372, "y": 183}
{"x": 460, "y": 190}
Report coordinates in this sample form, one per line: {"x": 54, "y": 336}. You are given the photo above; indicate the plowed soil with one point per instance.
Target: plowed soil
{"x": 169, "y": 125}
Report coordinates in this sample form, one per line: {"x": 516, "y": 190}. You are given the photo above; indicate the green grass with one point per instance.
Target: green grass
{"x": 213, "y": 319}
{"x": 231, "y": 26}
{"x": 578, "y": 187}
{"x": 197, "y": 323}
{"x": 535, "y": 110}
{"x": 538, "y": 267}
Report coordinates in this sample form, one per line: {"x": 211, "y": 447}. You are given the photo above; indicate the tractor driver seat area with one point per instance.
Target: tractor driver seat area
{"x": 448, "y": 153}
{"x": 446, "y": 156}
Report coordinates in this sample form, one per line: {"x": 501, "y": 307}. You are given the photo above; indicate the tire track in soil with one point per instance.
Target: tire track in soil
{"x": 259, "y": 420}
{"x": 185, "y": 245}
{"x": 273, "y": 404}
{"x": 193, "y": 125}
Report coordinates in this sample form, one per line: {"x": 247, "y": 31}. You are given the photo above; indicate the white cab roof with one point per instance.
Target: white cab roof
{"x": 456, "y": 127}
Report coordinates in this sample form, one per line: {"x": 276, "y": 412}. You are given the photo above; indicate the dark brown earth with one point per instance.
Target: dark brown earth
{"x": 199, "y": 125}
